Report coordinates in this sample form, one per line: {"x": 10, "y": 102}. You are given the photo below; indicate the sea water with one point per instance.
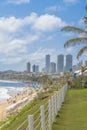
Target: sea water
{"x": 9, "y": 89}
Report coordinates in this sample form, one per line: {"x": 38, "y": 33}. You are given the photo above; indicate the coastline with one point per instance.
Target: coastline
{"x": 17, "y": 99}
{"x": 29, "y": 93}
{"x": 12, "y": 81}
{"x": 8, "y": 89}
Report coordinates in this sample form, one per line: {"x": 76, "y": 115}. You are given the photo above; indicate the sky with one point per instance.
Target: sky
{"x": 31, "y": 29}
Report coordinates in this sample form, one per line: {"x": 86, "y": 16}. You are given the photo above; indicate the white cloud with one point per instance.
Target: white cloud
{"x": 69, "y": 50}
{"x": 13, "y": 24}
{"x": 15, "y": 38}
{"x": 44, "y": 22}
{"x": 50, "y": 37}
{"x": 48, "y": 23}
{"x": 11, "y": 60}
{"x": 68, "y": 34}
{"x": 55, "y": 8}
{"x": 70, "y": 1}
{"x": 18, "y": 1}
{"x": 81, "y": 22}
{"x": 38, "y": 57}
{"x": 40, "y": 54}
{"x": 16, "y": 34}
{"x": 17, "y": 45}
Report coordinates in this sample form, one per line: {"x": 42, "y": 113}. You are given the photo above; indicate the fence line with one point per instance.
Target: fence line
{"x": 48, "y": 112}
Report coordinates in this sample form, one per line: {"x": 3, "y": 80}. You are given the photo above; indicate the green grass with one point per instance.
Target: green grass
{"x": 14, "y": 122}
{"x": 73, "y": 114}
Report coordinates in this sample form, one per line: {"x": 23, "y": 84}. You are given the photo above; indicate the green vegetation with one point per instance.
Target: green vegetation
{"x": 74, "y": 108}
{"x": 73, "y": 115}
{"x": 77, "y": 40}
{"x": 14, "y": 122}
{"x": 49, "y": 87}
{"x": 79, "y": 82}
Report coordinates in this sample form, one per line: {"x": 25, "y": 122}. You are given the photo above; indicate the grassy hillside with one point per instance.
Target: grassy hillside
{"x": 14, "y": 122}
{"x": 73, "y": 115}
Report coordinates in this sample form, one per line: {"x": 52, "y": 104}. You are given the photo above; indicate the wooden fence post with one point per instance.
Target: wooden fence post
{"x": 50, "y": 115}
{"x": 55, "y": 97}
{"x": 42, "y": 118}
{"x": 53, "y": 110}
{"x": 30, "y": 122}
{"x": 59, "y": 100}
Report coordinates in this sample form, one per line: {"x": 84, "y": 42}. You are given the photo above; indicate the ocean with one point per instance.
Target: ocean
{"x": 9, "y": 89}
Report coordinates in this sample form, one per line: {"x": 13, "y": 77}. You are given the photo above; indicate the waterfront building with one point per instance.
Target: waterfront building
{"x": 69, "y": 63}
{"x": 60, "y": 63}
{"x": 35, "y": 68}
{"x": 53, "y": 67}
{"x": 28, "y": 67}
{"x": 47, "y": 63}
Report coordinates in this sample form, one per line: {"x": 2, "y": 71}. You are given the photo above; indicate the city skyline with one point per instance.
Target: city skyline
{"x": 63, "y": 63}
{"x": 31, "y": 29}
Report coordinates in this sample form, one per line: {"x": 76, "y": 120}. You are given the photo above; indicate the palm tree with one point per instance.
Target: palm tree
{"x": 77, "y": 40}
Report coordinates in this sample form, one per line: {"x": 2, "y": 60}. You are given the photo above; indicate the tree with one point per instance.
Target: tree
{"x": 77, "y": 40}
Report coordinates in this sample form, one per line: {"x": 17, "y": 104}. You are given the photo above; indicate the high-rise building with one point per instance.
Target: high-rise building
{"x": 60, "y": 63}
{"x": 47, "y": 63}
{"x": 35, "y": 68}
{"x": 69, "y": 61}
{"x": 53, "y": 67}
{"x": 28, "y": 67}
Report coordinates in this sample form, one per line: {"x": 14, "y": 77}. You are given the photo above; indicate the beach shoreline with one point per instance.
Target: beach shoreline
{"x": 8, "y": 89}
{"x": 28, "y": 93}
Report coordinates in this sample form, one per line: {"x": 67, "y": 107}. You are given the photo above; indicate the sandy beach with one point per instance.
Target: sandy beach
{"x": 29, "y": 93}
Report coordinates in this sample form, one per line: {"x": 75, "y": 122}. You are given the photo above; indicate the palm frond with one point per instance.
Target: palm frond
{"x": 76, "y": 41}
{"x": 84, "y": 49}
{"x": 73, "y": 29}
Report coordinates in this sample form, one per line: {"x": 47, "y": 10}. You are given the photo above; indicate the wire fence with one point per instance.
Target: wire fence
{"x": 43, "y": 118}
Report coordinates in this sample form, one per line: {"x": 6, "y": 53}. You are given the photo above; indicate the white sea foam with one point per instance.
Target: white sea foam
{"x": 4, "y": 94}
{"x": 9, "y": 81}
{"x": 7, "y": 92}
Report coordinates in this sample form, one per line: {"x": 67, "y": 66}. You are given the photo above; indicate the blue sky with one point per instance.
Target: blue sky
{"x": 30, "y": 29}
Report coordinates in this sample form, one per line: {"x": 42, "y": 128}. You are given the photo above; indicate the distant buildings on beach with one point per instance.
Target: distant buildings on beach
{"x": 28, "y": 67}
{"x": 60, "y": 63}
{"x": 64, "y": 63}
{"x": 60, "y": 66}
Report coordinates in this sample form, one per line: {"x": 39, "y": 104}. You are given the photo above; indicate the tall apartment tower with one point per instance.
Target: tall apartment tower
{"x": 35, "y": 68}
{"x": 53, "y": 67}
{"x": 69, "y": 61}
{"x": 28, "y": 67}
{"x": 60, "y": 63}
{"x": 47, "y": 65}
